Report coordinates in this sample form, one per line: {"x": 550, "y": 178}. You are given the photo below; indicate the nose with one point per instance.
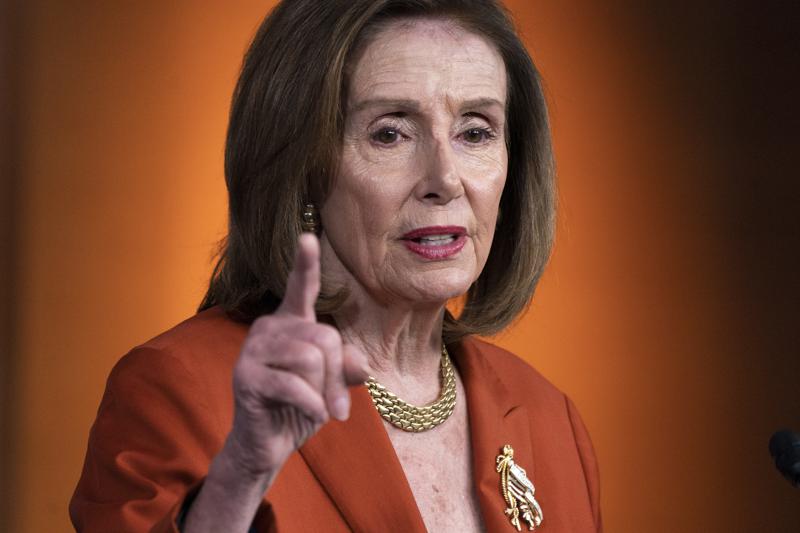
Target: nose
{"x": 441, "y": 179}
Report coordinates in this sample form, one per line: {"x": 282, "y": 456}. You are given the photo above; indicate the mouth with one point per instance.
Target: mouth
{"x": 436, "y": 242}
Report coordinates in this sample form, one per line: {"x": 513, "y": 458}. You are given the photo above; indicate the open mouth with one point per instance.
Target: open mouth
{"x": 436, "y": 242}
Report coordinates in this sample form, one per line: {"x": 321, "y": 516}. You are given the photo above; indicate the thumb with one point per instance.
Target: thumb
{"x": 303, "y": 283}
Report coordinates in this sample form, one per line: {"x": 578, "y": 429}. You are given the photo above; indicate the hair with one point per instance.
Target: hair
{"x": 284, "y": 139}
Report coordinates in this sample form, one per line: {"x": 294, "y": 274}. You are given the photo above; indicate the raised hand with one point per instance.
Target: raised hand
{"x": 291, "y": 377}
{"x": 292, "y": 373}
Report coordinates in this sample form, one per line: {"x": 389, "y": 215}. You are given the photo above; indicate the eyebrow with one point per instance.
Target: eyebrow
{"x": 413, "y": 105}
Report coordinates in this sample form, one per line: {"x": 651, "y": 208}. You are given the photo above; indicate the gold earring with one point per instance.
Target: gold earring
{"x": 310, "y": 221}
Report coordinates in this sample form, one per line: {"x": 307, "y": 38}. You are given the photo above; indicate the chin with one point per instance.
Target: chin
{"x": 439, "y": 289}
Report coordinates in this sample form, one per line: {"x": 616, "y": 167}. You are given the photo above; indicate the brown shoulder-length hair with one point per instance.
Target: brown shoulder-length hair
{"x": 284, "y": 137}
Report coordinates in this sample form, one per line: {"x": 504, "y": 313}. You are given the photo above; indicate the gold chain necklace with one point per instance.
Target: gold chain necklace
{"x": 409, "y": 417}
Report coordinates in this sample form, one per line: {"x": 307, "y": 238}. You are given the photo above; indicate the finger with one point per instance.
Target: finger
{"x": 336, "y": 393}
{"x": 282, "y": 387}
{"x": 301, "y": 358}
{"x": 355, "y": 367}
{"x": 329, "y": 341}
{"x": 303, "y": 283}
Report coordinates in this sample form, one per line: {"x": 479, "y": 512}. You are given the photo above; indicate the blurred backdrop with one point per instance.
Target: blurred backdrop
{"x": 670, "y": 312}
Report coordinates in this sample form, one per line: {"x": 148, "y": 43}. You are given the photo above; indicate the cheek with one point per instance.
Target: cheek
{"x": 486, "y": 190}
{"x": 490, "y": 178}
{"x": 364, "y": 201}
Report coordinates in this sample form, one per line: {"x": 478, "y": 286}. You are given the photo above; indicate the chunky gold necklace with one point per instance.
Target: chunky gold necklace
{"x": 409, "y": 417}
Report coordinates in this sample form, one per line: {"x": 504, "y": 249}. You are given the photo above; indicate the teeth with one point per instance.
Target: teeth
{"x": 437, "y": 240}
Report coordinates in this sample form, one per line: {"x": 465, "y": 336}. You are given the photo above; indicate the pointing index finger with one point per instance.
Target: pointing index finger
{"x": 303, "y": 284}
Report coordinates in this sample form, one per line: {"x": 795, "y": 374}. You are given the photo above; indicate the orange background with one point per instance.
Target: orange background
{"x": 669, "y": 312}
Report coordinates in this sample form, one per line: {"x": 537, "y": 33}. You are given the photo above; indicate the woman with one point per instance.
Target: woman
{"x": 409, "y": 139}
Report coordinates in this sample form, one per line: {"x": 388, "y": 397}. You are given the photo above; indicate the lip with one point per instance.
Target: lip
{"x": 439, "y": 251}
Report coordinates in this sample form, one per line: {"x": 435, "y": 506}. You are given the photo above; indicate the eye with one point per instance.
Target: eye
{"x": 386, "y": 136}
{"x": 476, "y": 135}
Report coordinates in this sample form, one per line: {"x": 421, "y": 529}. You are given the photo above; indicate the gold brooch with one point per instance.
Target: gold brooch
{"x": 518, "y": 491}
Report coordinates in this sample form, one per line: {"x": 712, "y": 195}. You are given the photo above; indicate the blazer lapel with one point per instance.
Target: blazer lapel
{"x": 356, "y": 464}
{"x": 496, "y": 419}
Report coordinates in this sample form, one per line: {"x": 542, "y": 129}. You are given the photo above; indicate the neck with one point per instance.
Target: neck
{"x": 394, "y": 340}
{"x": 403, "y": 344}
{"x": 402, "y": 339}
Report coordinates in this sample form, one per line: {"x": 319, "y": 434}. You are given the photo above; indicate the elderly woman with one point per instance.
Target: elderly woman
{"x": 383, "y": 158}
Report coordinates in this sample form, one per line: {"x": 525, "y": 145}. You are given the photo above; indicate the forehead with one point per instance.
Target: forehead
{"x": 428, "y": 60}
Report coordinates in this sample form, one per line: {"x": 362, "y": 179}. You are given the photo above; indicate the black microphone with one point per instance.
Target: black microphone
{"x": 784, "y": 447}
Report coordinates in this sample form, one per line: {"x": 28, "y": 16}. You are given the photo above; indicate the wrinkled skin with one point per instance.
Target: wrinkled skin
{"x": 424, "y": 146}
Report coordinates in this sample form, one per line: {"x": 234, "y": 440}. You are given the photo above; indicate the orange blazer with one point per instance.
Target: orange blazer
{"x": 168, "y": 407}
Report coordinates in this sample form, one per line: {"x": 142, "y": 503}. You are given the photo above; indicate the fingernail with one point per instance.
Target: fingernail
{"x": 341, "y": 408}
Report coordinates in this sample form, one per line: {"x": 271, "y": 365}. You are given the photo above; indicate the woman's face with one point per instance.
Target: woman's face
{"x": 412, "y": 213}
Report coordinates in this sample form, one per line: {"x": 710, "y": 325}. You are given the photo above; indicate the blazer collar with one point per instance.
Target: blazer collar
{"x": 356, "y": 464}
{"x": 496, "y": 418}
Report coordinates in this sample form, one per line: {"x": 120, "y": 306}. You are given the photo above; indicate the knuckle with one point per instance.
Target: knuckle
{"x": 327, "y": 337}
{"x": 307, "y": 356}
{"x": 256, "y": 347}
